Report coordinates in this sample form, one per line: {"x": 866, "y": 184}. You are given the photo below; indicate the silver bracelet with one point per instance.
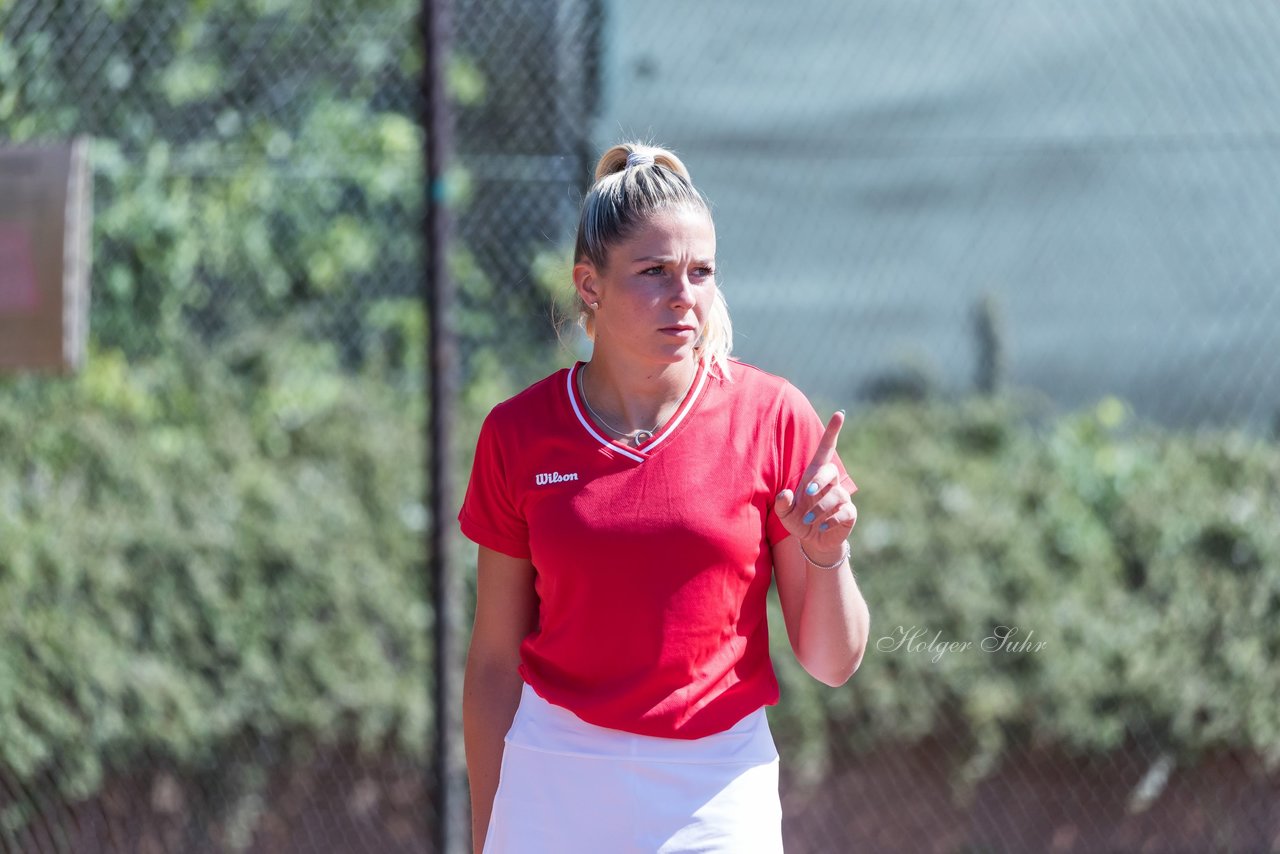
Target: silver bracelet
{"x": 844, "y": 556}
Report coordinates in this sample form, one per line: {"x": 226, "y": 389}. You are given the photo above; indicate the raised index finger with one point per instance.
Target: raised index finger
{"x": 827, "y": 445}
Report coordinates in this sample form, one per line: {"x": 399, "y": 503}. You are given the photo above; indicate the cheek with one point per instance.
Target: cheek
{"x": 707, "y": 300}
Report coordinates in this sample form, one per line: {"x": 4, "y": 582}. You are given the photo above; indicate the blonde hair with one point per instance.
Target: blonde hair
{"x": 622, "y": 199}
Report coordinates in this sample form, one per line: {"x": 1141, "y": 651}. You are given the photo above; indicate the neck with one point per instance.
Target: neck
{"x": 636, "y": 397}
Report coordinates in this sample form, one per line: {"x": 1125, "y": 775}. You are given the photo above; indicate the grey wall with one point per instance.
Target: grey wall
{"x": 1109, "y": 171}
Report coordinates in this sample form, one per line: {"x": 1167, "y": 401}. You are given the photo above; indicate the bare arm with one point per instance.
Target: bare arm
{"x": 506, "y": 612}
{"x": 827, "y": 618}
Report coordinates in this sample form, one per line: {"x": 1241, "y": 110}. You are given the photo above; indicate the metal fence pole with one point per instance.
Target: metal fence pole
{"x": 442, "y": 371}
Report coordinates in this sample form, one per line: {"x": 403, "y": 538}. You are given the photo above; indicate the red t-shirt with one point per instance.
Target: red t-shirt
{"x": 652, "y": 564}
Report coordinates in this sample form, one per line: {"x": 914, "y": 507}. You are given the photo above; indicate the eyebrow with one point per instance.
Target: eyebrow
{"x": 668, "y": 258}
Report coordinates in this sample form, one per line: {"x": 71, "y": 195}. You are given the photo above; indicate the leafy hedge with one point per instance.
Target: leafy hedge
{"x": 217, "y": 546}
{"x": 252, "y": 159}
{"x": 1146, "y": 565}
{"x": 206, "y": 548}
{"x": 258, "y": 160}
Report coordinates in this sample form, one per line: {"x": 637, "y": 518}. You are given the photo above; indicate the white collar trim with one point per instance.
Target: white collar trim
{"x": 667, "y": 429}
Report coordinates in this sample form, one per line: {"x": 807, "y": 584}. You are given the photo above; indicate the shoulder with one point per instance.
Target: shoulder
{"x": 753, "y": 386}
{"x": 531, "y": 404}
{"x": 745, "y": 378}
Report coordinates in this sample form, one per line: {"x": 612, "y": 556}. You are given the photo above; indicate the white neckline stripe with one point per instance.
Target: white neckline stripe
{"x": 573, "y": 401}
{"x": 685, "y": 405}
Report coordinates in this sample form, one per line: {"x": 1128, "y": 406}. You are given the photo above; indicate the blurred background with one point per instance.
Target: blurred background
{"x": 1028, "y": 245}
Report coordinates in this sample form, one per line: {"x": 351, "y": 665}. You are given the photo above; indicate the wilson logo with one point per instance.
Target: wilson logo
{"x": 554, "y": 477}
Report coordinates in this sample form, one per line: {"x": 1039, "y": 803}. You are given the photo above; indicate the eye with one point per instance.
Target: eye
{"x": 655, "y": 270}
{"x": 705, "y": 272}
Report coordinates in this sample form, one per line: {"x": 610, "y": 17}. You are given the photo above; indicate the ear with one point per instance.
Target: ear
{"x": 586, "y": 282}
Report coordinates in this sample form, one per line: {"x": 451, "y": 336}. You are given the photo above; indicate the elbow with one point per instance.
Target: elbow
{"x": 835, "y": 671}
{"x": 853, "y": 666}
{"x": 835, "y": 677}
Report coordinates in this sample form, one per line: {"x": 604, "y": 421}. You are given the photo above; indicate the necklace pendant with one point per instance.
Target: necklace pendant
{"x": 643, "y": 436}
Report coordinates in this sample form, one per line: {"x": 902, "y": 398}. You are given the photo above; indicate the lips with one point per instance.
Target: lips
{"x": 677, "y": 329}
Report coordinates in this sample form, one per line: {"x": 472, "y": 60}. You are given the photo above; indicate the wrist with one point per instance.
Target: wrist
{"x": 827, "y": 560}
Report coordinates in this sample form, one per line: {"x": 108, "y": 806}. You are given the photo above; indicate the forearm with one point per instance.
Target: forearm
{"x": 490, "y": 695}
{"x": 834, "y": 623}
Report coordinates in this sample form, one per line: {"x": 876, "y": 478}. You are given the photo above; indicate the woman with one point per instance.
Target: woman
{"x": 630, "y": 512}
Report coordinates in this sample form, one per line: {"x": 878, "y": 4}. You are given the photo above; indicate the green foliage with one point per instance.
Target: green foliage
{"x": 213, "y": 546}
{"x": 253, "y": 160}
{"x": 205, "y": 548}
{"x": 257, "y": 160}
{"x": 195, "y": 547}
{"x": 1147, "y": 564}
{"x": 199, "y": 545}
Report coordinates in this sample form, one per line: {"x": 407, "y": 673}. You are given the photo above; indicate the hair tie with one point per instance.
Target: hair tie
{"x": 637, "y": 158}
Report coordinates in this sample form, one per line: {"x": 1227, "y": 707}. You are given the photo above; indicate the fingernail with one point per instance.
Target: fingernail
{"x": 841, "y": 411}
{"x": 811, "y": 489}
{"x": 823, "y": 526}
{"x": 809, "y": 517}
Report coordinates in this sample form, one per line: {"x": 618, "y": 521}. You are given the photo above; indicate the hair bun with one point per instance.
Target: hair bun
{"x": 635, "y": 154}
{"x": 637, "y": 158}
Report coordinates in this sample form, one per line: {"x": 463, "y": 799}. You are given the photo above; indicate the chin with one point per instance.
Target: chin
{"x": 675, "y": 357}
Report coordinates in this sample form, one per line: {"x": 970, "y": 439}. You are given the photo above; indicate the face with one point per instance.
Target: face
{"x": 657, "y": 289}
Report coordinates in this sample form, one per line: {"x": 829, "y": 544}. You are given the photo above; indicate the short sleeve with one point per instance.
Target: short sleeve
{"x": 489, "y": 513}
{"x": 798, "y": 432}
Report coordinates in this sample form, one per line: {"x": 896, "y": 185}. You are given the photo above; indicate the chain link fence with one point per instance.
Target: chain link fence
{"x": 215, "y": 621}
{"x": 912, "y": 202}
{"x": 1102, "y": 174}
{"x": 524, "y": 153}
{"x": 1057, "y": 203}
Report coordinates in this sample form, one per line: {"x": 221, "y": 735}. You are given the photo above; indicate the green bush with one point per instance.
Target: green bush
{"x": 1146, "y": 563}
{"x": 258, "y": 160}
{"x": 218, "y": 546}
{"x": 206, "y": 548}
{"x": 252, "y": 159}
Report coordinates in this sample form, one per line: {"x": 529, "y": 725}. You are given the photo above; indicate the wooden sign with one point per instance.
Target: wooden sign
{"x": 45, "y": 218}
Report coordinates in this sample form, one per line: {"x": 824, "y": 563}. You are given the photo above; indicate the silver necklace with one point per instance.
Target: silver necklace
{"x": 637, "y": 436}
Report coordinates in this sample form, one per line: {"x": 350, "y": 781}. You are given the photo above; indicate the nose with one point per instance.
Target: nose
{"x": 683, "y": 293}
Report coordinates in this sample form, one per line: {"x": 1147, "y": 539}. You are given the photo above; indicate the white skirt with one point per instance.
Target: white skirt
{"x": 570, "y": 787}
